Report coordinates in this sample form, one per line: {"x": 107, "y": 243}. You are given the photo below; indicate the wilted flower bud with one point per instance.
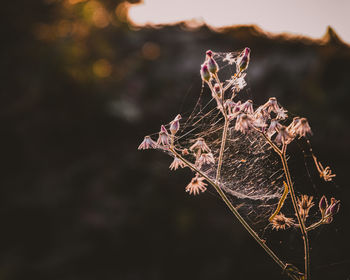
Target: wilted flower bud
{"x": 209, "y": 53}
{"x": 243, "y": 61}
{"x": 205, "y": 74}
{"x": 212, "y": 66}
{"x": 163, "y": 136}
{"x": 147, "y": 143}
{"x": 334, "y": 208}
{"x": 175, "y": 125}
{"x": 323, "y": 204}
{"x": 217, "y": 90}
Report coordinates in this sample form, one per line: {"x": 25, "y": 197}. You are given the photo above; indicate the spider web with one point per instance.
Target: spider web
{"x": 251, "y": 173}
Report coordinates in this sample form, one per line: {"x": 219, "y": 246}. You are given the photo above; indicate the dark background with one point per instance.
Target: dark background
{"x": 80, "y": 87}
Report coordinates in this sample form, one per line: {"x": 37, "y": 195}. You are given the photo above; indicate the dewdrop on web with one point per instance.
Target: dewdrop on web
{"x": 240, "y": 150}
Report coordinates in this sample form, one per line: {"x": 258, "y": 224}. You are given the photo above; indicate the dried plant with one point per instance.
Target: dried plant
{"x": 233, "y": 138}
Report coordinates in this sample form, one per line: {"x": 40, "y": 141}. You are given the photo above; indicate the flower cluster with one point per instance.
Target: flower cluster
{"x": 267, "y": 119}
{"x": 199, "y": 151}
{"x": 270, "y": 121}
{"x": 328, "y": 212}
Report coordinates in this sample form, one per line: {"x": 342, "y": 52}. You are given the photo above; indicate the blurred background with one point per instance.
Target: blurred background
{"x": 82, "y": 83}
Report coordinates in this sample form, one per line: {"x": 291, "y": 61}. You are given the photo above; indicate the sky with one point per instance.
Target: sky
{"x": 299, "y": 17}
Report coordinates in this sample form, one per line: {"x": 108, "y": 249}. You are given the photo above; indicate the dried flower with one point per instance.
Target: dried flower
{"x": 244, "y": 123}
{"x": 206, "y": 158}
{"x": 243, "y": 60}
{"x": 176, "y": 164}
{"x": 184, "y": 152}
{"x": 239, "y": 83}
{"x": 247, "y": 107}
{"x": 295, "y": 122}
{"x": 229, "y": 104}
{"x": 305, "y": 203}
{"x": 281, "y": 113}
{"x": 147, "y": 143}
{"x": 273, "y": 128}
{"x": 260, "y": 123}
{"x": 196, "y": 185}
{"x": 271, "y": 105}
{"x": 163, "y": 138}
{"x": 200, "y": 145}
{"x": 283, "y": 136}
{"x": 281, "y": 222}
{"x": 262, "y": 113}
{"x": 235, "y": 110}
{"x": 175, "y": 125}
{"x": 325, "y": 173}
{"x": 303, "y": 128}
{"x": 205, "y": 74}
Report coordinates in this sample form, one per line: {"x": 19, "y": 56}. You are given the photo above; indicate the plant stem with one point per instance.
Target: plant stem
{"x": 315, "y": 225}
{"x": 319, "y": 223}
{"x": 236, "y": 213}
{"x": 295, "y": 205}
{"x": 224, "y": 132}
{"x": 282, "y": 154}
{"x": 222, "y": 148}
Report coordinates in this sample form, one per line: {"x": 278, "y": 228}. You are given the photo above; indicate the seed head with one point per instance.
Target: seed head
{"x": 196, "y": 185}
{"x": 281, "y": 222}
